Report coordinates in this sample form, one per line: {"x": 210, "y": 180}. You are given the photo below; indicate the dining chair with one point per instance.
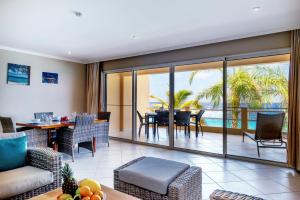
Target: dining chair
{"x": 162, "y": 119}
{"x": 198, "y": 122}
{"x": 7, "y": 125}
{"x": 104, "y": 115}
{"x": 82, "y": 134}
{"x": 268, "y": 133}
{"x": 52, "y": 132}
{"x": 41, "y": 115}
{"x": 142, "y": 122}
{"x": 182, "y": 118}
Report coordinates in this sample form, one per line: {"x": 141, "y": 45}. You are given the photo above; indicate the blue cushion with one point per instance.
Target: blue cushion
{"x": 13, "y": 153}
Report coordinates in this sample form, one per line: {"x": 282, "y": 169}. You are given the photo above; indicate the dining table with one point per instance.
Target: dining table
{"x": 150, "y": 118}
{"x": 48, "y": 126}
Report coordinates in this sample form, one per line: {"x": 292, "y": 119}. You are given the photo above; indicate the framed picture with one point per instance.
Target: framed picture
{"x": 18, "y": 74}
{"x": 50, "y": 78}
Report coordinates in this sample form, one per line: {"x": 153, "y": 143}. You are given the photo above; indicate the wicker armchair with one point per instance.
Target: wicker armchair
{"x": 47, "y": 159}
{"x": 187, "y": 186}
{"x": 100, "y": 133}
{"x": 82, "y": 134}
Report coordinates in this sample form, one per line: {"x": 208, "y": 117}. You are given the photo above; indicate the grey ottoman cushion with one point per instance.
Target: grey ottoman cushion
{"x": 153, "y": 174}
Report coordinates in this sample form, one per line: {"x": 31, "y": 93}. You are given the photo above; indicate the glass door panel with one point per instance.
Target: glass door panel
{"x": 119, "y": 103}
{"x": 199, "y": 91}
{"x": 257, "y": 85}
{"x": 152, "y": 106}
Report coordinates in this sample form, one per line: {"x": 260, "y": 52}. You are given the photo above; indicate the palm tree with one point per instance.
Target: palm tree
{"x": 180, "y": 100}
{"x": 254, "y": 87}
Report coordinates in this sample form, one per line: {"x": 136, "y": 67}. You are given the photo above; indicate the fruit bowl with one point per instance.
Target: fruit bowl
{"x": 86, "y": 189}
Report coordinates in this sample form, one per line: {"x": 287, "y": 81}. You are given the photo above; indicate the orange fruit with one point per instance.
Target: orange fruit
{"x": 95, "y": 197}
{"x": 86, "y": 198}
{"x": 85, "y": 191}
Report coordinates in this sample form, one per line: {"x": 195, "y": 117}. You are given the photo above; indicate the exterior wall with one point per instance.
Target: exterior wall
{"x": 20, "y": 101}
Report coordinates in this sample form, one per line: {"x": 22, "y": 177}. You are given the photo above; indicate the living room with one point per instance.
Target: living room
{"x": 149, "y": 100}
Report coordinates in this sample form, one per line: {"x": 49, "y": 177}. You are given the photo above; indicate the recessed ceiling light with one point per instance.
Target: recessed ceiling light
{"x": 77, "y": 13}
{"x": 256, "y": 9}
{"x": 69, "y": 52}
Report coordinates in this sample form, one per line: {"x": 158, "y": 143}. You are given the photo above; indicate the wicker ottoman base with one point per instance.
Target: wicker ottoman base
{"x": 187, "y": 186}
{"x": 227, "y": 195}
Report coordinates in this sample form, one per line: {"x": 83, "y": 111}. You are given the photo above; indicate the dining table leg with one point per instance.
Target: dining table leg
{"x": 53, "y": 145}
{"x": 94, "y": 144}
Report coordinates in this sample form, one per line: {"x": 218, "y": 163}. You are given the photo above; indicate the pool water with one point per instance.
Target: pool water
{"x": 219, "y": 123}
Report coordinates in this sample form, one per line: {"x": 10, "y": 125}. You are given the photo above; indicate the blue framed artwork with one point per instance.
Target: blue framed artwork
{"x": 50, "y": 78}
{"x": 18, "y": 74}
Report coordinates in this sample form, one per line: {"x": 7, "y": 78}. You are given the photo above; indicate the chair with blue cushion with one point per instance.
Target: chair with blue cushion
{"x": 25, "y": 173}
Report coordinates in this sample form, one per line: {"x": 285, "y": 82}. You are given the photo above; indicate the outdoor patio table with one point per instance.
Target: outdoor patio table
{"x": 152, "y": 115}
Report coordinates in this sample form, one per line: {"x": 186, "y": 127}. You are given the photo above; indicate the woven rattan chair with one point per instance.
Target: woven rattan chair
{"x": 7, "y": 125}
{"x": 183, "y": 119}
{"x": 82, "y": 134}
{"x": 47, "y": 159}
{"x": 104, "y": 116}
{"x": 227, "y": 195}
{"x": 40, "y": 115}
{"x": 187, "y": 186}
{"x": 268, "y": 133}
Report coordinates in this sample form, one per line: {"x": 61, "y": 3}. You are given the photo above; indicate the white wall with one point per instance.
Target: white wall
{"x": 22, "y": 101}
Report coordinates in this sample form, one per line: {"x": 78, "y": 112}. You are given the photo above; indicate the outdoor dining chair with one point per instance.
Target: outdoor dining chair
{"x": 268, "y": 133}
{"x": 142, "y": 122}
{"x": 183, "y": 119}
{"x": 198, "y": 122}
{"x": 162, "y": 119}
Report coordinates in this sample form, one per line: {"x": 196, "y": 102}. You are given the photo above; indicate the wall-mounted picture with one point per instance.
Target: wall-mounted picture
{"x": 18, "y": 74}
{"x": 50, "y": 78}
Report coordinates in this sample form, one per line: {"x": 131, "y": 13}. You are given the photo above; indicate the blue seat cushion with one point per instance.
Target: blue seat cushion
{"x": 152, "y": 174}
{"x": 13, "y": 153}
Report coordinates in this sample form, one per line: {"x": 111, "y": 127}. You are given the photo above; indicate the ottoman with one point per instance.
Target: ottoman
{"x": 154, "y": 178}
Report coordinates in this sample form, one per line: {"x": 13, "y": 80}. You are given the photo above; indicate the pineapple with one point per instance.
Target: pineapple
{"x": 69, "y": 185}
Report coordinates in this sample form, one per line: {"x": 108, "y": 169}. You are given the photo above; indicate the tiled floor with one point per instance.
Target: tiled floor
{"x": 211, "y": 142}
{"x": 269, "y": 182}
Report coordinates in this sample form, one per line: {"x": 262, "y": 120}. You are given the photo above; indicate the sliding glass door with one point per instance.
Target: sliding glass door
{"x": 214, "y": 106}
{"x": 257, "y": 95}
{"x": 152, "y": 103}
{"x": 198, "y": 105}
{"x": 119, "y": 103}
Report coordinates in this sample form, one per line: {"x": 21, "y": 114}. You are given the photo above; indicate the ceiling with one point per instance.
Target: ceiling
{"x": 110, "y": 29}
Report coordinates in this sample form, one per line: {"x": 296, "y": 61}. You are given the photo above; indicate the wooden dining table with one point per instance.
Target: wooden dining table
{"x": 54, "y": 125}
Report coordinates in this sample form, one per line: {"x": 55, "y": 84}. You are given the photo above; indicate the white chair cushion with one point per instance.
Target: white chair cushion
{"x": 12, "y": 135}
{"x": 24, "y": 179}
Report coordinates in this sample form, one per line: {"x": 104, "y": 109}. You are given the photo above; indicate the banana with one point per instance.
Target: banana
{"x": 94, "y": 185}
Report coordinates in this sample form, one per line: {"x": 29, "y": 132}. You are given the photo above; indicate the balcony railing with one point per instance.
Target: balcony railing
{"x": 244, "y": 120}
